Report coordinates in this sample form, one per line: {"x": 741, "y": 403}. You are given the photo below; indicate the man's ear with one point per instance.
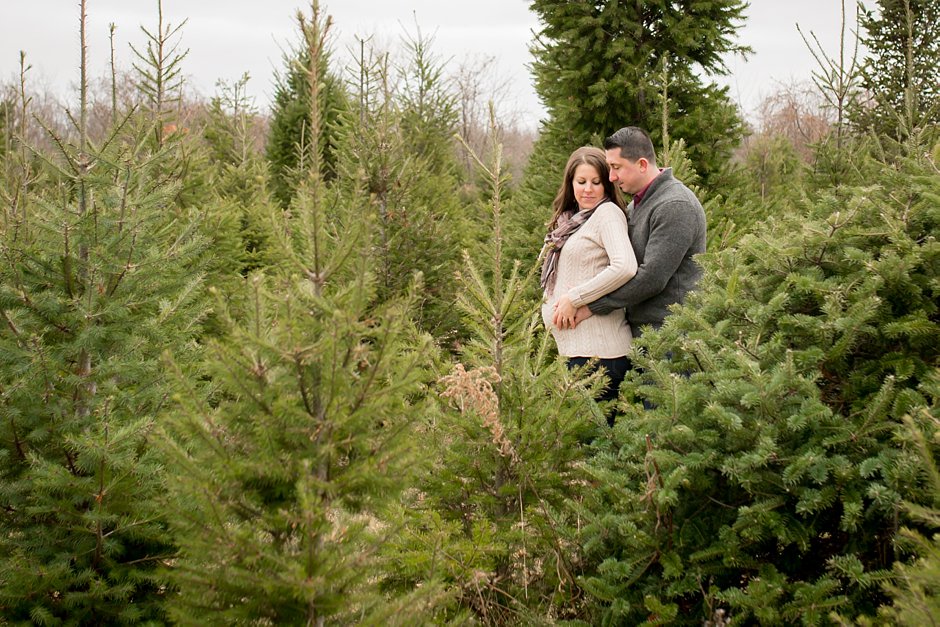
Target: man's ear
{"x": 643, "y": 163}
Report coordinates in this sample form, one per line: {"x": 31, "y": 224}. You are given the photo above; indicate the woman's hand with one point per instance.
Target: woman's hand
{"x": 564, "y": 314}
{"x": 562, "y": 317}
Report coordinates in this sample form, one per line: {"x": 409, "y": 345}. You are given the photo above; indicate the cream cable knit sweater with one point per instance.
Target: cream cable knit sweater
{"x": 597, "y": 259}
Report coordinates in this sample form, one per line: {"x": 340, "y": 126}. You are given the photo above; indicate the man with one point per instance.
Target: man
{"x": 667, "y": 228}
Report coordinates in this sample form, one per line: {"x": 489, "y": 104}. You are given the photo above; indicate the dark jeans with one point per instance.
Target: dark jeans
{"x": 615, "y": 369}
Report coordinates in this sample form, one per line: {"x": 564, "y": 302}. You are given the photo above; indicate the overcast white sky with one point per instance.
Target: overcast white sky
{"x": 226, "y": 38}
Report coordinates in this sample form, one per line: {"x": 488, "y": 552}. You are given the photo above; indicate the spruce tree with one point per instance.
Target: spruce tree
{"x": 598, "y": 67}
{"x": 286, "y": 470}
{"x": 291, "y": 140}
{"x": 766, "y": 483}
{"x": 237, "y": 178}
{"x": 100, "y": 276}
{"x": 428, "y": 104}
{"x": 158, "y": 70}
{"x": 901, "y": 69}
{"x": 292, "y": 453}
{"x": 398, "y": 154}
{"x": 486, "y": 521}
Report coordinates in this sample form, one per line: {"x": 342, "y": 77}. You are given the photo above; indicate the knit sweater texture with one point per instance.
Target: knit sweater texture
{"x": 596, "y": 259}
{"x": 667, "y": 230}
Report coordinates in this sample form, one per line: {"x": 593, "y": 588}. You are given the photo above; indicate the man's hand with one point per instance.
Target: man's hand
{"x": 581, "y": 315}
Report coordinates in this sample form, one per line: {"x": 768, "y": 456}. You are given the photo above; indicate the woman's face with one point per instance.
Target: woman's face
{"x": 588, "y": 187}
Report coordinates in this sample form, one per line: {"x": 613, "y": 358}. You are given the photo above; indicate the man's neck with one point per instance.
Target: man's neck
{"x": 638, "y": 197}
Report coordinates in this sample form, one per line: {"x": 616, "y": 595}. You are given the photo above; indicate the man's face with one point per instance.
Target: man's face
{"x": 630, "y": 176}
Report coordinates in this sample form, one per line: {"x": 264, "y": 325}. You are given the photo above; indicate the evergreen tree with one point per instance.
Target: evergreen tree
{"x": 292, "y": 457}
{"x": 901, "y": 70}
{"x": 766, "y": 483}
{"x": 21, "y": 168}
{"x": 486, "y": 521}
{"x": 159, "y": 73}
{"x": 238, "y": 178}
{"x": 429, "y": 115}
{"x": 99, "y": 277}
{"x": 397, "y": 153}
{"x": 291, "y": 138}
{"x": 914, "y": 587}
{"x": 6, "y": 132}
{"x": 287, "y": 469}
{"x": 599, "y": 66}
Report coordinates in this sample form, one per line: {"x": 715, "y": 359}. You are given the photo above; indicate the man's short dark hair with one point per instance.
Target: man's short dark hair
{"x": 634, "y": 143}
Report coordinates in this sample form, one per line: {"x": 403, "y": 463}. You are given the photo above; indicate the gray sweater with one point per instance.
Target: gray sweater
{"x": 666, "y": 230}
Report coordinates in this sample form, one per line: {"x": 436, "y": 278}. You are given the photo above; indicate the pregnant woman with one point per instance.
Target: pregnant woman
{"x": 587, "y": 254}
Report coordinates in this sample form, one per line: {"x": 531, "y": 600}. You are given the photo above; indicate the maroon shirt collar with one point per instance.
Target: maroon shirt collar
{"x": 638, "y": 197}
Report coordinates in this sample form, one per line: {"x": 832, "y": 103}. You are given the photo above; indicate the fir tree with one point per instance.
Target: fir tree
{"x": 766, "y": 483}
{"x": 486, "y": 521}
{"x": 598, "y": 67}
{"x": 901, "y": 70}
{"x": 397, "y": 152}
{"x": 99, "y": 277}
{"x": 914, "y": 586}
{"x": 291, "y": 138}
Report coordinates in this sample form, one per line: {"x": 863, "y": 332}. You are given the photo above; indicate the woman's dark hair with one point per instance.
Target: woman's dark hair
{"x": 564, "y": 199}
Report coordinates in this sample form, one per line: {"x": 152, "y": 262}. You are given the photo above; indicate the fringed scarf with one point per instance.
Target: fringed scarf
{"x": 568, "y": 223}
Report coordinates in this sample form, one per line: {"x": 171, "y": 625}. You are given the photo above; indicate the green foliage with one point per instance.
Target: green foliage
{"x": 766, "y": 481}
{"x": 428, "y": 109}
{"x": 100, "y": 276}
{"x": 159, "y": 71}
{"x": 530, "y": 209}
{"x": 286, "y": 469}
{"x": 6, "y": 132}
{"x": 901, "y": 70}
{"x": 291, "y": 459}
{"x": 486, "y": 521}
{"x": 397, "y": 155}
{"x": 769, "y": 180}
{"x": 236, "y": 175}
{"x": 290, "y": 141}
{"x": 600, "y": 66}
{"x": 914, "y": 587}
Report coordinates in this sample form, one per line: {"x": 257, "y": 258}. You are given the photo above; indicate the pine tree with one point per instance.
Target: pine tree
{"x": 901, "y": 70}
{"x": 292, "y": 454}
{"x": 100, "y": 276}
{"x": 291, "y": 139}
{"x": 767, "y": 481}
{"x": 486, "y": 522}
{"x": 397, "y": 151}
{"x": 287, "y": 469}
{"x": 598, "y": 67}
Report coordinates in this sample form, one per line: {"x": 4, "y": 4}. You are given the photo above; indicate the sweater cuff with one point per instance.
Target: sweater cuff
{"x": 575, "y": 297}
{"x": 601, "y": 307}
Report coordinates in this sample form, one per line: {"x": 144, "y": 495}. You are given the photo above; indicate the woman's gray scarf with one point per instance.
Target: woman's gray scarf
{"x": 568, "y": 223}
